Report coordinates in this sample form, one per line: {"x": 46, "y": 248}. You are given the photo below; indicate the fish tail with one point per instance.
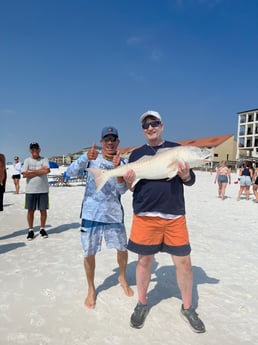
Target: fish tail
{"x": 100, "y": 177}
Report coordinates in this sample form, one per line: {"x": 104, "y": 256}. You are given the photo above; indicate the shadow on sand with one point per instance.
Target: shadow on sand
{"x": 166, "y": 284}
{"x": 4, "y": 248}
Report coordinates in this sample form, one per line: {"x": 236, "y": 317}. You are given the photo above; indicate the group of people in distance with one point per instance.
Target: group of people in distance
{"x": 248, "y": 176}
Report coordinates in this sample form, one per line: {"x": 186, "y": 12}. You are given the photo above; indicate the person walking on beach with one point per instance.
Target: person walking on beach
{"x": 223, "y": 177}
{"x": 35, "y": 170}
{"x": 255, "y": 184}
{"x": 17, "y": 165}
{"x": 159, "y": 224}
{"x": 102, "y": 213}
{"x": 2, "y": 180}
{"x": 246, "y": 176}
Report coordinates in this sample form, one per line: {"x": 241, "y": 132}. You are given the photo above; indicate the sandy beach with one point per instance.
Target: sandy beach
{"x": 43, "y": 285}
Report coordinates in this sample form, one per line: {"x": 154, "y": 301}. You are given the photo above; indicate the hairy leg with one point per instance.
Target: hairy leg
{"x": 184, "y": 278}
{"x": 143, "y": 274}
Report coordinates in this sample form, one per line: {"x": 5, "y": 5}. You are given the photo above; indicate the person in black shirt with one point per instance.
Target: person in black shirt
{"x": 159, "y": 224}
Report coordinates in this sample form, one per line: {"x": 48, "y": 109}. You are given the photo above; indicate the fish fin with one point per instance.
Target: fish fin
{"x": 162, "y": 149}
{"x": 172, "y": 170}
{"x": 135, "y": 181}
{"x": 100, "y": 177}
{"x": 144, "y": 158}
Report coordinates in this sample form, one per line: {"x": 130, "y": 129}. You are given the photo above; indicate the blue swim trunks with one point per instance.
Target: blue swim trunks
{"x": 92, "y": 233}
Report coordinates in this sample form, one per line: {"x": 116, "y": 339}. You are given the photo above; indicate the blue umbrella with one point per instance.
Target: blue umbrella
{"x": 53, "y": 165}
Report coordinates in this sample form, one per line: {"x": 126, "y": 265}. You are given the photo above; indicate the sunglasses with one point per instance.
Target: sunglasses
{"x": 146, "y": 125}
{"x": 107, "y": 139}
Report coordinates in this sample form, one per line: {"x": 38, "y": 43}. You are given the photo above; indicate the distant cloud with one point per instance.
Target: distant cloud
{"x": 134, "y": 40}
{"x": 136, "y": 77}
{"x": 7, "y": 111}
{"x": 156, "y": 55}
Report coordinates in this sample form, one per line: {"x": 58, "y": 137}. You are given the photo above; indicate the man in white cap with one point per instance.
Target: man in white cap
{"x": 159, "y": 224}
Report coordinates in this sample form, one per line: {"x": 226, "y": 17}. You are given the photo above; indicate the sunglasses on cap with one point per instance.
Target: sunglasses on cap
{"x": 155, "y": 123}
{"x": 107, "y": 139}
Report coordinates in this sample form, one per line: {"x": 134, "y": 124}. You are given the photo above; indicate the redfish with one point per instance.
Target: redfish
{"x": 164, "y": 164}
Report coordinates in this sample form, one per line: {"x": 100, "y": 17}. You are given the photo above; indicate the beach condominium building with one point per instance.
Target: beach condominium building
{"x": 247, "y": 135}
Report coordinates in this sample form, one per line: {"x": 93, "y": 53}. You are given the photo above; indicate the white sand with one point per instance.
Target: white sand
{"x": 43, "y": 286}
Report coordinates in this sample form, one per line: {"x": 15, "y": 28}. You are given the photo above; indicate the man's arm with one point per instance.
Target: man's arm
{"x": 33, "y": 173}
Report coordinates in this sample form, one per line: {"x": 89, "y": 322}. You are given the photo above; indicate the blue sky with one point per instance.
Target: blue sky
{"x": 69, "y": 68}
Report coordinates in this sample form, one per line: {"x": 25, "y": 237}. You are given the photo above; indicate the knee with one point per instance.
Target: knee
{"x": 185, "y": 265}
{"x": 145, "y": 261}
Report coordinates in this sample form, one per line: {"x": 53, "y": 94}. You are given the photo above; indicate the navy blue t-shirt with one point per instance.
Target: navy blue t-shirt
{"x": 165, "y": 196}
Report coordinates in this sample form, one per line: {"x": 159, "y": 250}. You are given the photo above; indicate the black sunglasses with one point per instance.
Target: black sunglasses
{"x": 155, "y": 123}
{"x": 107, "y": 139}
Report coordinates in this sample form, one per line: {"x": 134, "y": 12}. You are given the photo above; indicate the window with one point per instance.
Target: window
{"x": 250, "y": 117}
{"x": 243, "y": 118}
{"x": 249, "y": 130}
{"x": 242, "y": 130}
{"x": 241, "y": 142}
{"x": 249, "y": 143}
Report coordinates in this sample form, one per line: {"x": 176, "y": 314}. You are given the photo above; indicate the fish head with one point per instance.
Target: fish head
{"x": 195, "y": 155}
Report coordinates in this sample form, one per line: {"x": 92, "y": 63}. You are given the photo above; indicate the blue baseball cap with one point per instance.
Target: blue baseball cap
{"x": 109, "y": 130}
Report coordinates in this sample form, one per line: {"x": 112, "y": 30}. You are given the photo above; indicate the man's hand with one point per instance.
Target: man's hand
{"x": 129, "y": 178}
{"x": 184, "y": 171}
{"x": 92, "y": 154}
{"x": 116, "y": 159}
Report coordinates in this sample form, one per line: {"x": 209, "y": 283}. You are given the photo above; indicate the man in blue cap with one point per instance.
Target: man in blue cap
{"x": 102, "y": 212}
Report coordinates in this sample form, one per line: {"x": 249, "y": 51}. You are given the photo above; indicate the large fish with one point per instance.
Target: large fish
{"x": 164, "y": 164}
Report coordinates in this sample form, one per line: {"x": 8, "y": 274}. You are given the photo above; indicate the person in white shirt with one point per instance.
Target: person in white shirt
{"x": 35, "y": 170}
{"x": 17, "y": 166}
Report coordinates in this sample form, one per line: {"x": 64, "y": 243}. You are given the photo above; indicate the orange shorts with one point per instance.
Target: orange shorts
{"x": 150, "y": 235}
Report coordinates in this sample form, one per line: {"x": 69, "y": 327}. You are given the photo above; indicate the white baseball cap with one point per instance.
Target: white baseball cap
{"x": 150, "y": 113}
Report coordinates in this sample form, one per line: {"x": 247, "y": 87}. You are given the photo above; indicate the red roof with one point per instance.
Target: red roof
{"x": 206, "y": 142}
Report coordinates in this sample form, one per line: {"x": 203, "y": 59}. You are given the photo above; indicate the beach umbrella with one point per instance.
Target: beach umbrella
{"x": 53, "y": 165}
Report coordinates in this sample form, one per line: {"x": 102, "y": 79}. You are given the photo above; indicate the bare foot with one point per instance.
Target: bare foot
{"x": 90, "y": 300}
{"x": 127, "y": 289}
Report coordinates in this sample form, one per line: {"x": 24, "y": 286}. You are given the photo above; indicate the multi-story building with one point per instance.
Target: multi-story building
{"x": 247, "y": 135}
